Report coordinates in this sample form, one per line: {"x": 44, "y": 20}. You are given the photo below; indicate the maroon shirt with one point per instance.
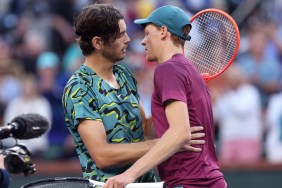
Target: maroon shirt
{"x": 178, "y": 79}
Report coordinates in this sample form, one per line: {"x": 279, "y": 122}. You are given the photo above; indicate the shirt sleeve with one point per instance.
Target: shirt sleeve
{"x": 80, "y": 103}
{"x": 170, "y": 83}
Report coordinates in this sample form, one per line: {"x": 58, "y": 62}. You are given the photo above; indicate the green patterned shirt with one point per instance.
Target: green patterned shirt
{"x": 87, "y": 96}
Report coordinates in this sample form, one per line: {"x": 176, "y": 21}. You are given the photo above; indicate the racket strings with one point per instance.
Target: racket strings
{"x": 213, "y": 43}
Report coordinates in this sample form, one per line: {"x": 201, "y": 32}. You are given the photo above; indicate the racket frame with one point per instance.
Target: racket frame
{"x": 91, "y": 183}
{"x": 237, "y": 32}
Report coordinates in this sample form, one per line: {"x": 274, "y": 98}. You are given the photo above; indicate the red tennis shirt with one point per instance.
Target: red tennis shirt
{"x": 178, "y": 79}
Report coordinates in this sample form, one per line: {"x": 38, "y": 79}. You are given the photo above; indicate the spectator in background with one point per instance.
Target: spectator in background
{"x": 51, "y": 83}
{"x": 261, "y": 68}
{"x": 33, "y": 45}
{"x": 237, "y": 112}
{"x": 30, "y": 101}
{"x": 61, "y": 21}
{"x": 274, "y": 129}
{"x": 72, "y": 59}
{"x": 9, "y": 83}
{"x": 274, "y": 46}
{"x": 196, "y": 6}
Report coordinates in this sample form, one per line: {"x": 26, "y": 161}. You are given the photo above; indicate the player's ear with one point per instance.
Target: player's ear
{"x": 97, "y": 42}
{"x": 164, "y": 31}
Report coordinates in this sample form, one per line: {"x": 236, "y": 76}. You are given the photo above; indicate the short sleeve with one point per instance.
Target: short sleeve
{"x": 170, "y": 83}
{"x": 80, "y": 103}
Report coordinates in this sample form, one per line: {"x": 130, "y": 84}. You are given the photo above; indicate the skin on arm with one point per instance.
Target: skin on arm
{"x": 149, "y": 131}
{"x": 196, "y": 135}
{"x": 106, "y": 154}
{"x": 172, "y": 141}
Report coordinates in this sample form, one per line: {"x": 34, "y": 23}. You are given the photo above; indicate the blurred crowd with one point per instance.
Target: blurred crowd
{"x": 38, "y": 53}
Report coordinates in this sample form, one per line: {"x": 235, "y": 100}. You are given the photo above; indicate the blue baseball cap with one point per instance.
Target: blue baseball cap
{"x": 170, "y": 16}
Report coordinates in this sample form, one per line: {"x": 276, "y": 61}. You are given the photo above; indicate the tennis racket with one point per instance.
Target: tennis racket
{"x": 214, "y": 43}
{"x": 76, "y": 182}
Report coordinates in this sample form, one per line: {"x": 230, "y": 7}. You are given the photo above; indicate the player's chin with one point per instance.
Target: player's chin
{"x": 121, "y": 57}
{"x": 150, "y": 58}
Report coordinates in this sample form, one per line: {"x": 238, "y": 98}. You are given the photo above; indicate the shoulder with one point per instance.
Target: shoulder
{"x": 75, "y": 81}
{"x": 123, "y": 70}
{"x": 250, "y": 91}
{"x": 275, "y": 105}
{"x": 166, "y": 67}
{"x": 168, "y": 72}
{"x": 126, "y": 73}
{"x": 173, "y": 66}
{"x": 276, "y": 98}
{"x": 79, "y": 78}
{"x": 77, "y": 86}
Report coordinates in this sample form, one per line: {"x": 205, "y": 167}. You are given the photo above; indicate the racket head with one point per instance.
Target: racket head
{"x": 214, "y": 44}
{"x": 70, "y": 182}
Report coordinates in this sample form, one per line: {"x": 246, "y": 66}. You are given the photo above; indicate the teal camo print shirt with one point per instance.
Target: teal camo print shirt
{"x": 87, "y": 96}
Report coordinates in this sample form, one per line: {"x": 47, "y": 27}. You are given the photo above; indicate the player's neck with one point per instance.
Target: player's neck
{"x": 168, "y": 52}
{"x": 100, "y": 65}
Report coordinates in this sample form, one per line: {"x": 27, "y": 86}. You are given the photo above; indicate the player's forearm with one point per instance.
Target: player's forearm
{"x": 121, "y": 154}
{"x": 149, "y": 131}
{"x": 169, "y": 144}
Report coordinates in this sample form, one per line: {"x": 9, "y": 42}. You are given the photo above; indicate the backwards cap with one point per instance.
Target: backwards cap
{"x": 170, "y": 16}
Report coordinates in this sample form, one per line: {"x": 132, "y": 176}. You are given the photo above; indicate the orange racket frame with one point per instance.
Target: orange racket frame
{"x": 237, "y": 33}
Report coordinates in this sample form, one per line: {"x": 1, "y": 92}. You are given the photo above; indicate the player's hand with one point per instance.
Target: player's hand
{"x": 119, "y": 181}
{"x": 196, "y": 140}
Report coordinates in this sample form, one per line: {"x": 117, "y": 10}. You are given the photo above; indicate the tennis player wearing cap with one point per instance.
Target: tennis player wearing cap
{"x": 180, "y": 101}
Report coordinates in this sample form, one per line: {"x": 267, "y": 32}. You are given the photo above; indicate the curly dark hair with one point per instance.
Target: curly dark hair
{"x": 96, "y": 20}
